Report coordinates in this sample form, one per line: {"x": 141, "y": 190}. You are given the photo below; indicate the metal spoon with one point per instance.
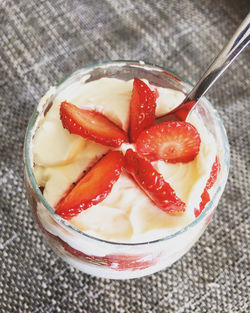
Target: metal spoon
{"x": 237, "y": 43}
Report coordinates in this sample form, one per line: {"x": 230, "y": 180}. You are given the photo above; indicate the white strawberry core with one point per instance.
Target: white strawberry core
{"x": 170, "y": 147}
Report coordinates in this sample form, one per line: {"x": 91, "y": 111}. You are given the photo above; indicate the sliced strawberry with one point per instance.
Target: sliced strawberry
{"x": 142, "y": 109}
{"x": 130, "y": 262}
{"x": 92, "y": 125}
{"x": 205, "y": 198}
{"x": 214, "y": 173}
{"x": 93, "y": 187}
{"x": 117, "y": 262}
{"x": 152, "y": 183}
{"x": 171, "y": 141}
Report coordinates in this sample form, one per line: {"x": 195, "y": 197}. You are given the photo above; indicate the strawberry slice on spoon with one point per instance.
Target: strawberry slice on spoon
{"x": 171, "y": 141}
{"x": 152, "y": 183}
{"x": 142, "y": 109}
{"x": 91, "y": 124}
{"x": 94, "y": 187}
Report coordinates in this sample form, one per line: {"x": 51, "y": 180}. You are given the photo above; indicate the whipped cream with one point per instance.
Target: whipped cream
{"x": 127, "y": 214}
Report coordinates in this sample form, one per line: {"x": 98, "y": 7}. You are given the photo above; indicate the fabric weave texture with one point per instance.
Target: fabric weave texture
{"x": 44, "y": 41}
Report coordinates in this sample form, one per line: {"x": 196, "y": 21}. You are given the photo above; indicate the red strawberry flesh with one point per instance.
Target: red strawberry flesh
{"x": 94, "y": 187}
{"x": 91, "y": 124}
{"x": 214, "y": 173}
{"x": 115, "y": 261}
{"x": 171, "y": 141}
{"x": 156, "y": 93}
{"x": 142, "y": 109}
{"x": 205, "y": 198}
{"x": 152, "y": 183}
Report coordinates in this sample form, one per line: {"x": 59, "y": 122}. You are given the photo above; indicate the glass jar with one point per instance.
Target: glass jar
{"x": 104, "y": 258}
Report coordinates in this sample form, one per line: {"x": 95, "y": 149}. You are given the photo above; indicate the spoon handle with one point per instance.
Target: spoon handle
{"x": 237, "y": 43}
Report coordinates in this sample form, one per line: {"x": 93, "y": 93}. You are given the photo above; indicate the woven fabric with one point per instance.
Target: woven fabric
{"x": 44, "y": 41}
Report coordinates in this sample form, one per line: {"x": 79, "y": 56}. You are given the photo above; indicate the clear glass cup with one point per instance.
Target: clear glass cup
{"x": 114, "y": 260}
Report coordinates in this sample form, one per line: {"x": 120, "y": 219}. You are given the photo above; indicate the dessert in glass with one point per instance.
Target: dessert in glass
{"x": 115, "y": 194}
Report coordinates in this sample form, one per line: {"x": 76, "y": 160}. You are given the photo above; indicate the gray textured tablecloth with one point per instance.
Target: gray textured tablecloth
{"x": 42, "y": 42}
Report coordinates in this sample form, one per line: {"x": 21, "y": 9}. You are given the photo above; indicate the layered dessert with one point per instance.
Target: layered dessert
{"x": 115, "y": 179}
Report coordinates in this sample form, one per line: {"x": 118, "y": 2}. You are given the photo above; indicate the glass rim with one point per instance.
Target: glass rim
{"x": 70, "y": 227}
